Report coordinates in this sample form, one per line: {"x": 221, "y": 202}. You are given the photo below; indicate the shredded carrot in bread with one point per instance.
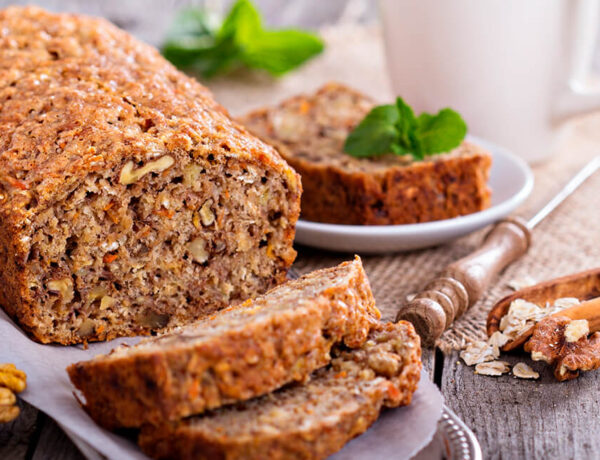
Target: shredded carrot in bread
{"x": 113, "y": 217}
{"x": 393, "y": 391}
{"x": 194, "y": 390}
{"x": 17, "y": 183}
{"x": 304, "y": 107}
{"x": 108, "y": 258}
{"x": 95, "y": 158}
{"x": 165, "y": 213}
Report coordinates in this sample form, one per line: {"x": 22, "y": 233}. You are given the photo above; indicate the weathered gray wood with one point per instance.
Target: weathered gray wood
{"x": 55, "y": 444}
{"x": 517, "y": 419}
{"x": 18, "y": 435}
{"x": 428, "y": 357}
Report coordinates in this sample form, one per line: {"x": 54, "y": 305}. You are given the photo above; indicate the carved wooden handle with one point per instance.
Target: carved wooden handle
{"x": 463, "y": 282}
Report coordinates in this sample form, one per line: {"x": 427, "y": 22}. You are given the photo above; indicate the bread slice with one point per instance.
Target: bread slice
{"x": 310, "y": 130}
{"x": 129, "y": 201}
{"x": 241, "y": 352}
{"x": 309, "y": 421}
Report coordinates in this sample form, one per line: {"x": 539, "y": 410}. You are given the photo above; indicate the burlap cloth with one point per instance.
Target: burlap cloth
{"x": 566, "y": 242}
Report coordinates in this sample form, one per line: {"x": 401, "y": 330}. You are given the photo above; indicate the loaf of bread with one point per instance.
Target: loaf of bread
{"x": 309, "y": 421}
{"x": 129, "y": 201}
{"x": 310, "y": 131}
{"x": 236, "y": 354}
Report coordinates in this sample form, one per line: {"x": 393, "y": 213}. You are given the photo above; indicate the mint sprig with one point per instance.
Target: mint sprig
{"x": 200, "y": 42}
{"x": 395, "y": 129}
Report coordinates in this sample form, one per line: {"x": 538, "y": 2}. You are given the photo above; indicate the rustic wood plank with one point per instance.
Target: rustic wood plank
{"x": 54, "y": 443}
{"x": 515, "y": 418}
{"x": 18, "y": 435}
{"x": 428, "y": 358}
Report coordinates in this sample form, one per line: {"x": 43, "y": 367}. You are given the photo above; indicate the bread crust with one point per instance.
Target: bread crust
{"x": 179, "y": 376}
{"x": 80, "y": 97}
{"x": 358, "y": 408}
{"x": 341, "y": 189}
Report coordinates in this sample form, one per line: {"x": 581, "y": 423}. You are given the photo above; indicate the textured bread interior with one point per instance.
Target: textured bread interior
{"x": 289, "y": 296}
{"x": 129, "y": 201}
{"x": 176, "y": 245}
{"x": 236, "y": 354}
{"x": 351, "y": 381}
{"x": 304, "y": 421}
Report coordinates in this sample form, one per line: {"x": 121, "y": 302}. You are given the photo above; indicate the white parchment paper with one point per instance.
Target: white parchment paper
{"x": 398, "y": 434}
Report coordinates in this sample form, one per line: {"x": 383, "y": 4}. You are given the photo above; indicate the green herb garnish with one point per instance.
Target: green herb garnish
{"x": 198, "y": 41}
{"x": 395, "y": 129}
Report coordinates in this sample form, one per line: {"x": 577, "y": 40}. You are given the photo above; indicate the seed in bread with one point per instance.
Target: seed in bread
{"x": 241, "y": 352}
{"x": 310, "y": 130}
{"x": 310, "y": 421}
{"x": 129, "y": 201}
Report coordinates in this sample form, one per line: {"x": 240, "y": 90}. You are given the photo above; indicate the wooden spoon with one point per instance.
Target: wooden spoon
{"x": 589, "y": 310}
{"x": 584, "y": 285}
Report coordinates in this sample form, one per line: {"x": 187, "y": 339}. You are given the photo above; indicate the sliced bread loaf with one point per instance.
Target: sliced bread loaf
{"x": 238, "y": 353}
{"x": 310, "y": 130}
{"x": 129, "y": 201}
{"x": 309, "y": 421}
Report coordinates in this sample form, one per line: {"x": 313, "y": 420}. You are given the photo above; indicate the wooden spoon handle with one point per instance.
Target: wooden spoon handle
{"x": 590, "y": 310}
{"x": 463, "y": 282}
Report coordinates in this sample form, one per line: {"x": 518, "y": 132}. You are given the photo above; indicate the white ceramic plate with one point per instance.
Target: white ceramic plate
{"x": 511, "y": 182}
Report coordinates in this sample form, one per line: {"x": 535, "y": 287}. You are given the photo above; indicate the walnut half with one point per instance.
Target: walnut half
{"x": 552, "y": 342}
{"x": 12, "y": 380}
{"x": 8, "y": 406}
{"x": 130, "y": 175}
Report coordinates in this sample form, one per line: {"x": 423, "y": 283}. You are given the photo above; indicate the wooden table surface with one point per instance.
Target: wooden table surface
{"x": 511, "y": 418}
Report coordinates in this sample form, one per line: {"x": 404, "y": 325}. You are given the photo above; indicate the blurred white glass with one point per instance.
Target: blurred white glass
{"x": 512, "y": 68}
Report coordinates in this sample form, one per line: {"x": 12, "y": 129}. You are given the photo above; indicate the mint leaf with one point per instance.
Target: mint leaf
{"x": 191, "y": 23}
{"x": 191, "y": 35}
{"x": 406, "y": 118}
{"x": 280, "y": 51}
{"x": 242, "y": 23}
{"x": 195, "y": 42}
{"x": 219, "y": 59}
{"x": 442, "y": 132}
{"x": 376, "y": 134}
{"x": 395, "y": 129}
{"x": 407, "y": 123}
